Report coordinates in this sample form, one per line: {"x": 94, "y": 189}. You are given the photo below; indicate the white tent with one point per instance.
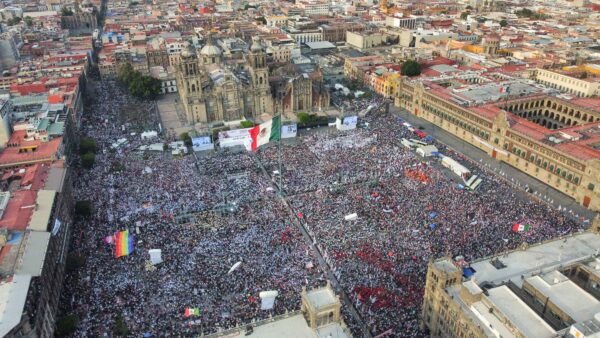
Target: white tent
{"x": 351, "y": 217}
{"x": 268, "y": 299}
{"x": 149, "y": 134}
{"x": 155, "y": 256}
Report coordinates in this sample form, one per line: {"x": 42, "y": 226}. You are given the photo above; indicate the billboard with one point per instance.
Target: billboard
{"x": 236, "y": 137}
{"x": 289, "y": 130}
{"x": 202, "y": 143}
{"x": 348, "y": 123}
{"x": 350, "y": 120}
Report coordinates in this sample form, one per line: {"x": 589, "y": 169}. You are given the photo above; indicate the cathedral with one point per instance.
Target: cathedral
{"x": 213, "y": 90}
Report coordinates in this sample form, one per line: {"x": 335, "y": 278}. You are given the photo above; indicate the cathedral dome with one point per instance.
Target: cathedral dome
{"x": 210, "y": 49}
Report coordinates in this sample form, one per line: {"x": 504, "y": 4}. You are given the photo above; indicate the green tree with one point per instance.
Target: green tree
{"x": 125, "y": 74}
{"x": 65, "y": 11}
{"x": 87, "y": 145}
{"x": 13, "y": 21}
{"x": 304, "y": 117}
{"x": 246, "y": 124}
{"x": 28, "y": 21}
{"x": 464, "y": 15}
{"x": 145, "y": 87}
{"x": 120, "y": 329}
{"x": 83, "y": 208}
{"x": 469, "y": 7}
{"x": 66, "y": 325}
{"x": 186, "y": 138}
{"x": 503, "y": 23}
{"x": 410, "y": 68}
{"x": 261, "y": 19}
{"x": 88, "y": 160}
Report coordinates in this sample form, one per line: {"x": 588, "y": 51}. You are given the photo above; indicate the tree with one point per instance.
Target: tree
{"x": 469, "y": 7}
{"x": 83, "y": 208}
{"x": 261, "y": 19}
{"x": 88, "y": 160}
{"x": 13, "y": 21}
{"x": 246, "y": 124}
{"x": 186, "y": 138}
{"x": 410, "y": 68}
{"x": 120, "y": 329}
{"x": 125, "y": 74}
{"x": 503, "y": 23}
{"x": 28, "y": 21}
{"x": 304, "y": 117}
{"x": 87, "y": 145}
{"x": 66, "y": 325}
{"x": 65, "y": 11}
{"x": 144, "y": 86}
{"x": 464, "y": 15}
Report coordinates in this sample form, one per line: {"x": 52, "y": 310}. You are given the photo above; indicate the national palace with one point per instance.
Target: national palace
{"x": 546, "y": 133}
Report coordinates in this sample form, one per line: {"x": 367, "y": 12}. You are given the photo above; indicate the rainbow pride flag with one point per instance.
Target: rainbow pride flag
{"x": 124, "y": 245}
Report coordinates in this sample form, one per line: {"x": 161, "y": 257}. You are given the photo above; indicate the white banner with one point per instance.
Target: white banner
{"x": 56, "y": 227}
{"x": 155, "y": 256}
{"x": 268, "y": 299}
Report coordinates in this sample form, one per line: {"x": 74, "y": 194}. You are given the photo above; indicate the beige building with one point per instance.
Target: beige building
{"x": 211, "y": 92}
{"x": 585, "y": 87}
{"x": 366, "y": 39}
{"x": 543, "y": 291}
{"x": 554, "y": 140}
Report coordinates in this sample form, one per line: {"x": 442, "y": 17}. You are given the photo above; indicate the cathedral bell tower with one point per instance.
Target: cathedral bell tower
{"x": 189, "y": 85}
{"x": 257, "y": 66}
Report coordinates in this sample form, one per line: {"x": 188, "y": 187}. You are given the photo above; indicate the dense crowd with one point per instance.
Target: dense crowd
{"x": 147, "y": 193}
{"x": 408, "y": 211}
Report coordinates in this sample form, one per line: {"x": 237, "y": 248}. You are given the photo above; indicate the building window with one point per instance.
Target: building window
{"x": 591, "y": 186}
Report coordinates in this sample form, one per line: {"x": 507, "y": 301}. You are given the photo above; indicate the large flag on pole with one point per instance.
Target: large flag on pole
{"x": 266, "y": 132}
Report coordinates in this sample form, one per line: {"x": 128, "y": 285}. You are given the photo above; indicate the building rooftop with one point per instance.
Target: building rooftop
{"x": 521, "y": 315}
{"x": 569, "y": 297}
{"x": 293, "y": 327}
{"x": 539, "y": 258}
{"x": 321, "y": 297}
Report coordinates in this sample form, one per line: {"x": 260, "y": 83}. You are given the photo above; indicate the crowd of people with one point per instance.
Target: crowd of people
{"x": 407, "y": 209}
{"x": 148, "y": 193}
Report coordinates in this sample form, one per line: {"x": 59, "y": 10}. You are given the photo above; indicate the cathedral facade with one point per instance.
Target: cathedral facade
{"x": 213, "y": 90}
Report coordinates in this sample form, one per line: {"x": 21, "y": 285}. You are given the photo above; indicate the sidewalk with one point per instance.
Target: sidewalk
{"x": 537, "y": 189}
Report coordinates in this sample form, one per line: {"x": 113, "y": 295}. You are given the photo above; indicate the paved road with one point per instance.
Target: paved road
{"x": 521, "y": 180}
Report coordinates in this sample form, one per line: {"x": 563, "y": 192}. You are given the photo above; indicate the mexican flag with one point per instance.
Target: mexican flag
{"x": 520, "y": 227}
{"x": 266, "y": 132}
{"x": 192, "y": 311}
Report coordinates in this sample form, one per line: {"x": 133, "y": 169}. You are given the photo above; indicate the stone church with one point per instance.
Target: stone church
{"x": 213, "y": 90}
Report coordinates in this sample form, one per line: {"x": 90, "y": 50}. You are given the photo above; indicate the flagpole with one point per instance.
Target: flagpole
{"x": 279, "y": 150}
